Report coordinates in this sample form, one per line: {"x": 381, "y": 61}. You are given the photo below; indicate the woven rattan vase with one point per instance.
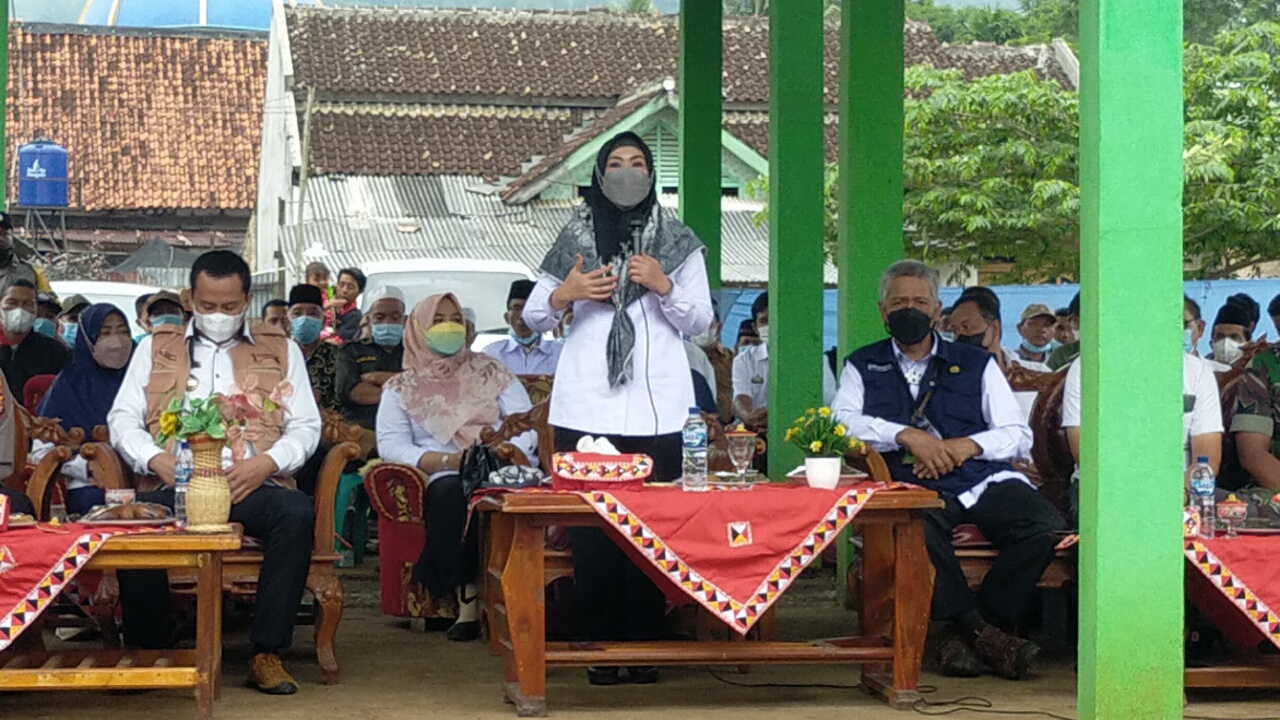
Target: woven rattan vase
{"x": 208, "y": 496}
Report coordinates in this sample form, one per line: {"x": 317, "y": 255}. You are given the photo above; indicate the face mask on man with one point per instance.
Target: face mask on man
{"x": 1188, "y": 345}
{"x": 1037, "y": 349}
{"x": 525, "y": 341}
{"x": 1227, "y": 350}
{"x": 625, "y": 187}
{"x": 976, "y": 340}
{"x": 69, "y": 332}
{"x": 387, "y": 335}
{"x": 218, "y": 327}
{"x": 18, "y": 320}
{"x": 909, "y": 326}
{"x": 162, "y": 320}
{"x": 45, "y": 327}
{"x": 763, "y": 332}
{"x": 704, "y": 339}
{"x": 113, "y": 352}
{"x": 306, "y": 329}
{"x": 446, "y": 339}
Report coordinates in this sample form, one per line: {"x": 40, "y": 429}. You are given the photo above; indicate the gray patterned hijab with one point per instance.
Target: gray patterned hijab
{"x": 663, "y": 237}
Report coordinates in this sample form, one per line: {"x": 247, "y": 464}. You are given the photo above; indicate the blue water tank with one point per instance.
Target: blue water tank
{"x": 42, "y": 174}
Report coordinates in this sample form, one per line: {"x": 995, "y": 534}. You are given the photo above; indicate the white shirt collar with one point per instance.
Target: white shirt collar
{"x": 904, "y": 360}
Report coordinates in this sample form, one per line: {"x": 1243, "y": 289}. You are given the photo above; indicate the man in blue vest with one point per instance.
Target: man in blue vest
{"x": 944, "y": 417}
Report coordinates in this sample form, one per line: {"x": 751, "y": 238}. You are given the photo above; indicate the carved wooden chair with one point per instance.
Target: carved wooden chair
{"x": 43, "y": 478}
{"x": 240, "y": 570}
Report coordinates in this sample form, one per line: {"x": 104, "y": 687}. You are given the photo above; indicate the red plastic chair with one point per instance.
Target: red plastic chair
{"x": 34, "y": 391}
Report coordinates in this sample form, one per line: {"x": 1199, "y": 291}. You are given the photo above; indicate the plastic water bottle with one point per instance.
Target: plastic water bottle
{"x": 695, "y": 452}
{"x": 182, "y": 472}
{"x": 1203, "y": 485}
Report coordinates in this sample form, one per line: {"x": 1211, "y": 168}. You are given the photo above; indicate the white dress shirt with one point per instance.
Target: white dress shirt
{"x": 700, "y": 363}
{"x": 401, "y": 440}
{"x": 213, "y": 372}
{"x": 1199, "y": 391}
{"x": 657, "y": 399}
{"x": 751, "y": 376}
{"x": 540, "y": 359}
{"x": 1006, "y": 438}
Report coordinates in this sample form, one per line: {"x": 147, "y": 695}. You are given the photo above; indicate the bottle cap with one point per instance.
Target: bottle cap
{"x": 695, "y": 411}
{"x": 1202, "y": 460}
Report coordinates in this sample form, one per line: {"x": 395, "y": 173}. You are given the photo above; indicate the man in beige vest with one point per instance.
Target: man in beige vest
{"x": 210, "y": 355}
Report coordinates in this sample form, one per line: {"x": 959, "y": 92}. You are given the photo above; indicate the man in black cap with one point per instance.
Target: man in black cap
{"x": 11, "y": 266}
{"x": 524, "y": 352}
{"x": 306, "y": 321}
{"x": 1231, "y": 332}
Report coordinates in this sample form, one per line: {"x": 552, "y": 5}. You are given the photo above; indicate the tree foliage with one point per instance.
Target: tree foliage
{"x": 991, "y": 166}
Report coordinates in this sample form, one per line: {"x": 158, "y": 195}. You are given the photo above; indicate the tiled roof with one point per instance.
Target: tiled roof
{"x": 752, "y": 128}
{"x": 982, "y": 59}
{"x": 150, "y": 121}
{"x": 386, "y": 53}
{"x": 364, "y": 139}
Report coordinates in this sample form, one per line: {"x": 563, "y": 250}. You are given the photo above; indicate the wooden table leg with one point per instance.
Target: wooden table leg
{"x": 497, "y": 548}
{"x": 208, "y": 633}
{"x": 913, "y": 578}
{"x": 524, "y": 594}
{"x": 876, "y": 618}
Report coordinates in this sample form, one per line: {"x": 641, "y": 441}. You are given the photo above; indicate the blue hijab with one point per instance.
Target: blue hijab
{"x": 82, "y": 394}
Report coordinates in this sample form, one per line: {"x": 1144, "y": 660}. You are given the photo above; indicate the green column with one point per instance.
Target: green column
{"x": 1131, "y": 561}
{"x": 871, "y": 88}
{"x": 4, "y": 97}
{"x": 701, "y": 109}
{"x": 796, "y": 158}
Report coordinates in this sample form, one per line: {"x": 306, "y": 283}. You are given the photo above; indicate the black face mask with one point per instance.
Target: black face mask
{"x": 909, "y": 326}
{"x": 974, "y": 340}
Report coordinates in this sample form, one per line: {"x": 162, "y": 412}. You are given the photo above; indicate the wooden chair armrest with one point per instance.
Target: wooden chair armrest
{"x": 104, "y": 466}
{"x": 870, "y": 462}
{"x": 335, "y": 461}
{"x": 43, "y": 479}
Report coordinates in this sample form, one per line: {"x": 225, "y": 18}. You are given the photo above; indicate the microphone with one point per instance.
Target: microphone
{"x": 637, "y": 232}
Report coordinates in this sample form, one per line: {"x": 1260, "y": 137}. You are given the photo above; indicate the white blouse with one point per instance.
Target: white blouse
{"x": 657, "y": 399}
{"x": 401, "y": 440}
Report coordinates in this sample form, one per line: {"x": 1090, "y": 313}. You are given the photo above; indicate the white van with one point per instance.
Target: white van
{"x": 122, "y": 295}
{"x": 481, "y": 285}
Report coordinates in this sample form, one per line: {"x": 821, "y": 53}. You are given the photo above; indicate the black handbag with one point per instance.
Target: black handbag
{"x": 478, "y": 461}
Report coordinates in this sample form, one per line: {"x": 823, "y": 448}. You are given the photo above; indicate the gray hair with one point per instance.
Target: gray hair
{"x": 908, "y": 268}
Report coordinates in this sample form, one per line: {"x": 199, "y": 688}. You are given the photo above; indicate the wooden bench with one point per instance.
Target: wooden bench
{"x": 240, "y": 570}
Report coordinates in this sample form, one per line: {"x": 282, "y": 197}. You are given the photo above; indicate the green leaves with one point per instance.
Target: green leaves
{"x": 186, "y": 416}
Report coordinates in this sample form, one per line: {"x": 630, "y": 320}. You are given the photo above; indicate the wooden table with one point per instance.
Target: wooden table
{"x": 897, "y": 588}
{"x": 143, "y": 669}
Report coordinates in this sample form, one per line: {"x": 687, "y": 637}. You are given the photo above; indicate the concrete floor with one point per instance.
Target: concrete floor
{"x": 393, "y": 673}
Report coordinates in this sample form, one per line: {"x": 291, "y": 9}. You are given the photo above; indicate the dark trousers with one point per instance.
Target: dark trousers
{"x": 1019, "y": 522}
{"x": 18, "y": 502}
{"x": 284, "y": 522}
{"x": 448, "y": 560}
{"x": 616, "y": 600}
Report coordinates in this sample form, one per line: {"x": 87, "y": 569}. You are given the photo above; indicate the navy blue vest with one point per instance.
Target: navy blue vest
{"x": 954, "y": 409}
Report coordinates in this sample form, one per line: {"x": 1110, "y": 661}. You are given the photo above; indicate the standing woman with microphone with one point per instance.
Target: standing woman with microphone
{"x": 635, "y": 279}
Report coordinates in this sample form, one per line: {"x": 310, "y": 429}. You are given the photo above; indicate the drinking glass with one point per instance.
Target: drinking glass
{"x": 742, "y": 450}
{"x": 1232, "y": 514}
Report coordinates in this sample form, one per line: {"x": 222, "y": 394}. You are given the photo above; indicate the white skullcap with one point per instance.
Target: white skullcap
{"x": 384, "y": 292}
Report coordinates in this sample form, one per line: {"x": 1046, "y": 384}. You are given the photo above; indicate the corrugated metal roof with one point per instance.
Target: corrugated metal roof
{"x": 361, "y": 219}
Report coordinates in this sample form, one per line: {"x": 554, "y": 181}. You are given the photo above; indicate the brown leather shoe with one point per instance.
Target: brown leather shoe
{"x": 957, "y": 659}
{"x": 1009, "y": 656}
{"x": 267, "y": 675}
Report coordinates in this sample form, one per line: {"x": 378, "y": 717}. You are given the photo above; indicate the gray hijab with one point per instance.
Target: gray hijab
{"x": 663, "y": 238}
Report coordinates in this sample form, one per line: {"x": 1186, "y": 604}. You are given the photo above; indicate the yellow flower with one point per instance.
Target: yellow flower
{"x": 810, "y": 412}
{"x": 799, "y": 419}
{"x": 815, "y": 446}
{"x": 168, "y": 423}
{"x": 791, "y": 432}
{"x": 841, "y": 430}
{"x": 825, "y": 412}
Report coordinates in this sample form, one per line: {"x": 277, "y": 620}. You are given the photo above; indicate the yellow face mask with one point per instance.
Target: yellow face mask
{"x": 446, "y": 339}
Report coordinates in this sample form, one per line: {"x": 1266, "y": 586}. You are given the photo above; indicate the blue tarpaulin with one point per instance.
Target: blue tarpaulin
{"x": 735, "y": 305}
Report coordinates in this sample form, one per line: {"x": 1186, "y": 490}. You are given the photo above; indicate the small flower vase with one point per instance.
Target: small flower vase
{"x": 208, "y": 495}
{"x": 822, "y": 472}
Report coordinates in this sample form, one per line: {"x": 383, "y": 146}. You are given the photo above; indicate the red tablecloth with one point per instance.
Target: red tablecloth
{"x": 1244, "y": 570}
{"x": 732, "y": 551}
{"x": 35, "y": 565}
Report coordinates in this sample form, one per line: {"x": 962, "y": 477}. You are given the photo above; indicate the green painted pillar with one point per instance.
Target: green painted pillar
{"x": 871, "y": 89}
{"x": 796, "y": 160}
{"x": 1131, "y": 564}
{"x": 701, "y": 112}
